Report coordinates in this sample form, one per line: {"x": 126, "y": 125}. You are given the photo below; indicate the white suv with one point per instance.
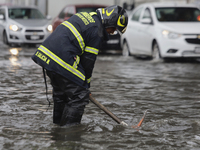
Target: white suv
{"x": 163, "y": 30}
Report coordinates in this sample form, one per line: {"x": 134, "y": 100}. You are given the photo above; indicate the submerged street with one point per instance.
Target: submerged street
{"x": 125, "y": 85}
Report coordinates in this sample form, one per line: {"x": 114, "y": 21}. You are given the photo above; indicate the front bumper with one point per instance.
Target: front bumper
{"x": 185, "y": 46}
{"x": 28, "y": 35}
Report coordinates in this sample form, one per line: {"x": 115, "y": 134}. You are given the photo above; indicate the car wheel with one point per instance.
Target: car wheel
{"x": 5, "y": 39}
{"x": 156, "y": 52}
{"x": 125, "y": 50}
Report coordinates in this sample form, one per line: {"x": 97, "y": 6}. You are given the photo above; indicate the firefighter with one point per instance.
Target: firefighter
{"x": 68, "y": 56}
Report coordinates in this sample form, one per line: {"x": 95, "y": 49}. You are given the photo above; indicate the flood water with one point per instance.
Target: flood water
{"x": 126, "y": 86}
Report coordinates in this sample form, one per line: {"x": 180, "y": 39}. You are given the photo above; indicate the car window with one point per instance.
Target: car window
{"x": 24, "y": 13}
{"x": 2, "y": 12}
{"x": 147, "y": 13}
{"x": 136, "y": 15}
{"x": 178, "y": 14}
{"x": 86, "y": 9}
{"x": 70, "y": 12}
{"x": 67, "y": 12}
{"x": 63, "y": 12}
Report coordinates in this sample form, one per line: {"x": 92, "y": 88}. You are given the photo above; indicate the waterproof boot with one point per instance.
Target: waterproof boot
{"x": 72, "y": 115}
{"x": 58, "y": 111}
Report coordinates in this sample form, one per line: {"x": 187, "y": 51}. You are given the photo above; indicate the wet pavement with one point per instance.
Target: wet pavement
{"x": 126, "y": 86}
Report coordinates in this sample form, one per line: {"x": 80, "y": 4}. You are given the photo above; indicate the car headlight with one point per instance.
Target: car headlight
{"x": 170, "y": 35}
{"x": 14, "y": 28}
{"x": 49, "y": 28}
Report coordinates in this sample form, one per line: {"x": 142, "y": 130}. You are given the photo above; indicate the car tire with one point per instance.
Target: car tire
{"x": 156, "y": 52}
{"x": 125, "y": 50}
{"x": 5, "y": 38}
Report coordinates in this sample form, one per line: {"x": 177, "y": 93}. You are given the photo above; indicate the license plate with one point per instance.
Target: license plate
{"x": 113, "y": 41}
{"x": 34, "y": 37}
{"x": 197, "y": 50}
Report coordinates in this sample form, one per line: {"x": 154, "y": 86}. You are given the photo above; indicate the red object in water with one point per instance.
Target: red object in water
{"x": 141, "y": 121}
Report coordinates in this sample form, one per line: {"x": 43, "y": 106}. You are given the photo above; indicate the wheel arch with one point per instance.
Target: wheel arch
{"x": 124, "y": 41}
{"x": 5, "y": 40}
{"x": 153, "y": 42}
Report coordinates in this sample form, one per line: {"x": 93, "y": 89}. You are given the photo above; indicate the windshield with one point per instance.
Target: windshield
{"x": 87, "y": 9}
{"x": 25, "y": 13}
{"x": 178, "y": 14}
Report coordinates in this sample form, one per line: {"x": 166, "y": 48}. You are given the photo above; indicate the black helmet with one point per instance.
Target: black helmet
{"x": 114, "y": 16}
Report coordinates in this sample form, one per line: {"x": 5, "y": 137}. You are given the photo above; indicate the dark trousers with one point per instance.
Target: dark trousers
{"x": 69, "y": 100}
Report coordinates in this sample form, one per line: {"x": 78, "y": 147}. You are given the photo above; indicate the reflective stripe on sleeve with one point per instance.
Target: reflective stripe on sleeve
{"x": 88, "y": 80}
{"x": 91, "y": 50}
{"x": 61, "y": 62}
{"x": 76, "y": 34}
{"x": 75, "y": 65}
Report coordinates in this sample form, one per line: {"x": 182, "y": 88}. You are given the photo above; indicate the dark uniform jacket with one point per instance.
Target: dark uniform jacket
{"x": 71, "y": 50}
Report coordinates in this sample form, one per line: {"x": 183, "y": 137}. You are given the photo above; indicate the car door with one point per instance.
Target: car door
{"x": 146, "y": 31}
{"x": 132, "y": 32}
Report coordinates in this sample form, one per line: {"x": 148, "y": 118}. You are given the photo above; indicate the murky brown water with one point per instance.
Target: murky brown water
{"x": 126, "y": 86}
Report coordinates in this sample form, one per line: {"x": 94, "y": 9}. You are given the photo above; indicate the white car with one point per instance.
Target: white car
{"x": 20, "y": 24}
{"x": 163, "y": 30}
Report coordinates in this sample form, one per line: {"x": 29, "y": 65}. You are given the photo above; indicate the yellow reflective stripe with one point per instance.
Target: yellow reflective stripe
{"x": 93, "y": 13}
{"x": 103, "y": 11}
{"x": 109, "y": 13}
{"x": 75, "y": 65}
{"x": 88, "y": 80}
{"x": 119, "y": 23}
{"x": 61, "y": 62}
{"x": 76, "y": 34}
{"x": 91, "y": 50}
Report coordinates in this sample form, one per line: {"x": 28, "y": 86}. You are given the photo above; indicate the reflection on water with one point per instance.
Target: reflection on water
{"x": 14, "y": 59}
{"x": 14, "y": 51}
{"x": 126, "y": 86}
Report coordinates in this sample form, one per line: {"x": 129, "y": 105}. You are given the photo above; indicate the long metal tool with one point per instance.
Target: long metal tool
{"x": 108, "y": 112}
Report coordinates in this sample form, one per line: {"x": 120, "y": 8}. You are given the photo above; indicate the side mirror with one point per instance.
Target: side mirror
{"x": 2, "y": 17}
{"x": 146, "y": 21}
